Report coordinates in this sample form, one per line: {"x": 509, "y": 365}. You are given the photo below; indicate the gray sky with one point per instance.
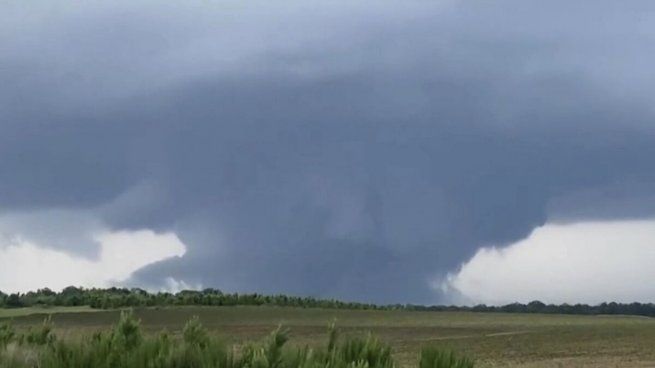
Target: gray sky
{"x": 360, "y": 150}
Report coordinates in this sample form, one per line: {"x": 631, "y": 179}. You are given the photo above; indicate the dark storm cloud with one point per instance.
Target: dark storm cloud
{"x": 338, "y": 149}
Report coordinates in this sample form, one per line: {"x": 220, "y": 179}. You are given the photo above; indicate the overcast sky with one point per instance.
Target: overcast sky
{"x": 385, "y": 151}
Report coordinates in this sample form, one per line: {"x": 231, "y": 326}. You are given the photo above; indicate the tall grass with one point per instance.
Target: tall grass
{"x": 124, "y": 346}
{"x": 436, "y": 358}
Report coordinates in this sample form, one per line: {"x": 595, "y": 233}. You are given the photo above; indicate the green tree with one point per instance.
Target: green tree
{"x": 14, "y": 301}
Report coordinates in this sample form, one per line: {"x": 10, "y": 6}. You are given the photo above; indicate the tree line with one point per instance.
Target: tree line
{"x": 111, "y": 298}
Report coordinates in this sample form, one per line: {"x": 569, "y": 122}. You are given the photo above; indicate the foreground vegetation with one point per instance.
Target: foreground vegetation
{"x": 492, "y": 339}
{"x": 125, "y": 346}
{"x": 113, "y": 298}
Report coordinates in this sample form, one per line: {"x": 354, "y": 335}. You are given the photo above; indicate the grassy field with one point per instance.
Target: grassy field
{"x": 494, "y": 340}
{"x": 22, "y": 312}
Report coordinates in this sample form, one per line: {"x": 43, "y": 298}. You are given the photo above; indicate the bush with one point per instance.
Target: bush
{"x": 43, "y": 335}
{"x": 435, "y": 358}
{"x": 195, "y": 334}
{"x": 369, "y": 351}
{"x": 127, "y": 333}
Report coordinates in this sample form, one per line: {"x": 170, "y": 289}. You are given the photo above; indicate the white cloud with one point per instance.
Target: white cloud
{"x": 26, "y": 265}
{"x": 588, "y": 262}
{"x": 173, "y": 285}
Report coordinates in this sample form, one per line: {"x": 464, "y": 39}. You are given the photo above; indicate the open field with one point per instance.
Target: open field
{"x": 495, "y": 340}
{"x": 22, "y": 312}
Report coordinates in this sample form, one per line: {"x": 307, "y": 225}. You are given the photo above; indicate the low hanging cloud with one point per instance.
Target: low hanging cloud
{"x": 589, "y": 262}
